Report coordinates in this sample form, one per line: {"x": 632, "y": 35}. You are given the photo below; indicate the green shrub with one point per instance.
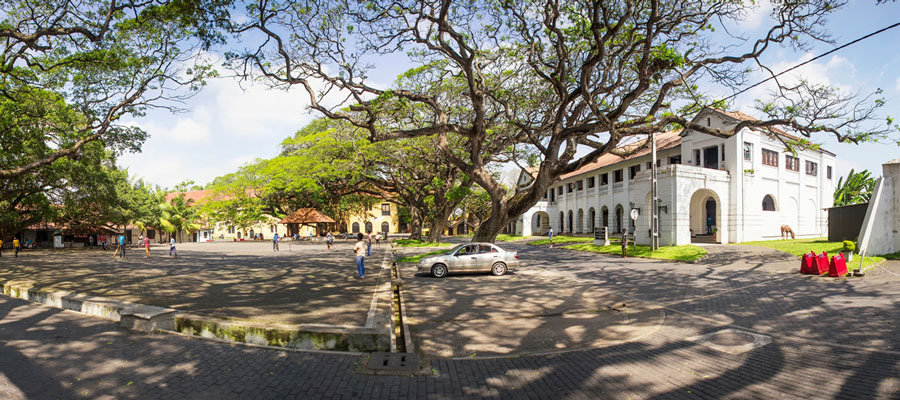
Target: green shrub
{"x": 849, "y": 246}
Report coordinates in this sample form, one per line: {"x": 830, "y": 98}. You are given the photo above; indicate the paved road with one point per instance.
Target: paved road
{"x": 303, "y": 283}
{"x": 48, "y": 353}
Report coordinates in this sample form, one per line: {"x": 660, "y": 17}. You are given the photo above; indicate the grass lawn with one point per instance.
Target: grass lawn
{"x": 563, "y": 239}
{"x": 503, "y": 237}
{"x": 800, "y": 247}
{"x": 419, "y": 243}
{"x": 416, "y": 258}
{"x": 892, "y": 256}
{"x": 687, "y": 252}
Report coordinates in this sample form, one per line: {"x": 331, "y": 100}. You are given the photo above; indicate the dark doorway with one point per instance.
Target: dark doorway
{"x": 710, "y": 215}
{"x": 619, "y": 211}
{"x": 605, "y": 213}
{"x": 571, "y": 220}
{"x": 711, "y": 157}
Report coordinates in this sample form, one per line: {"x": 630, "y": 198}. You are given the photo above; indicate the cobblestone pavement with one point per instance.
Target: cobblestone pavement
{"x": 830, "y": 339}
{"x": 303, "y": 283}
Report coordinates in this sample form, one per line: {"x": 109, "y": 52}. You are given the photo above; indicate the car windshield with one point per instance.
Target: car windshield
{"x": 453, "y": 250}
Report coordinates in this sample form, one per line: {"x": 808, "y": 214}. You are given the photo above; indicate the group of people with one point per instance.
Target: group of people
{"x": 145, "y": 241}
{"x": 16, "y": 246}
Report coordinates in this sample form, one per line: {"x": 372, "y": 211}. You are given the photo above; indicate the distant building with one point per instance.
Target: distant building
{"x": 381, "y": 217}
{"x": 711, "y": 189}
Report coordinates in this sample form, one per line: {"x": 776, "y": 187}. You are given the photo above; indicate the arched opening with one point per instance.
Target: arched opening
{"x": 592, "y": 222}
{"x": 571, "y": 221}
{"x": 540, "y": 223}
{"x": 368, "y": 227}
{"x": 810, "y": 225}
{"x": 579, "y": 224}
{"x": 768, "y": 203}
{"x": 385, "y": 227}
{"x": 705, "y": 217}
{"x": 619, "y": 213}
{"x": 562, "y": 219}
{"x": 356, "y": 227}
{"x": 604, "y": 212}
{"x": 710, "y": 215}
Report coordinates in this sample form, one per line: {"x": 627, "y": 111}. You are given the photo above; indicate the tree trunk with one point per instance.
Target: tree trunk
{"x": 489, "y": 229}
{"x": 415, "y": 225}
{"x": 437, "y": 229}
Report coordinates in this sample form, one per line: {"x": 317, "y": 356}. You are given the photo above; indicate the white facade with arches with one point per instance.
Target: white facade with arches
{"x": 711, "y": 189}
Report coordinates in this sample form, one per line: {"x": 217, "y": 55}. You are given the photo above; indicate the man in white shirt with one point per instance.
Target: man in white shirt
{"x": 360, "y": 250}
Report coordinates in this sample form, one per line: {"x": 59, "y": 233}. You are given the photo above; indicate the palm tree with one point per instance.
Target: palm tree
{"x": 176, "y": 216}
{"x": 856, "y": 189}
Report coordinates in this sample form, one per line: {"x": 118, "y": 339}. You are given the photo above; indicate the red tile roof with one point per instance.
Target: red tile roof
{"x": 664, "y": 140}
{"x": 192, "y": 197}
{"x": 306, "y": 216}
{"x": 744, "y": 117}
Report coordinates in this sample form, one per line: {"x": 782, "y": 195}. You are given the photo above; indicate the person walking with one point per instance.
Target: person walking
{"x": 310, "y": 236}
{"x": 275, "y": 240}
{"x": 120, "y": 247}
{"x": 147, "y": 246}
{"x": 360, "y": 251}
{"x": 551, "y": 236}
{"x": 16, "y": 246}
{"x": 329, "y": 240}
{"x": 624, "y": 243}
{"x": 172, "y": 247}
{"x": 369, "y": 244}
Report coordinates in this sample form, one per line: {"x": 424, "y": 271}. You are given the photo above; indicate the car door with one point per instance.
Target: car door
{"x": 487, "y": 255}
{"x": 464, "y": 259}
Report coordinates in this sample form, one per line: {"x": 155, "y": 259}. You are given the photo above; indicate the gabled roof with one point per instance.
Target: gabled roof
{"x": 744, "y": 117}
{"x": 306, "y": 216}
{"x": 772, "y": 130}
{"x": 191, "y": 197}
{"x": 664, "y": 140}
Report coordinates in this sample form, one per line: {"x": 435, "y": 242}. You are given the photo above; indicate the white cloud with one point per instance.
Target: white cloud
{"x": 837, "y": 71}
{"x": 190, "y": 131}
{"x": 757, "y": 16}
{"x": 898, "y": 83}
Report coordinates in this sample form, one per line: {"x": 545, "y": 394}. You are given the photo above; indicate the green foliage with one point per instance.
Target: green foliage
{"x": 320, "y": 167}
{"x": 857, "y": 188}
{"x": 74, "y": 69}
{"x": 418, "y": 243}
{"x": 849, "y": 246}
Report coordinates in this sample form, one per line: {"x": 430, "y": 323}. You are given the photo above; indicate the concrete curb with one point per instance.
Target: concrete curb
{"x": 129, "y": 315}
{"x": 304, "y": 337}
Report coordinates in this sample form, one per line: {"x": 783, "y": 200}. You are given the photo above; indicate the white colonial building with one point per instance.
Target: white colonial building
{"x": 711, "y": 189}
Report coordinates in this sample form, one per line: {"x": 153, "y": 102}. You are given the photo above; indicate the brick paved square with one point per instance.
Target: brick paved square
{"x": 303, "y": 283}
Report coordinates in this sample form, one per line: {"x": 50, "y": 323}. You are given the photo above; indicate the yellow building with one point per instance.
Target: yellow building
{"x": 268, "y": 227}
{"x": 382, "y": 217}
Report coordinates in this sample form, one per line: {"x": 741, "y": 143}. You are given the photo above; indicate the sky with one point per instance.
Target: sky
{"x": 231, "y": 123}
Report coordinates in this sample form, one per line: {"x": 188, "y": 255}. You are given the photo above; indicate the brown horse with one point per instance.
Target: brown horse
{"x": 786, "y": 230}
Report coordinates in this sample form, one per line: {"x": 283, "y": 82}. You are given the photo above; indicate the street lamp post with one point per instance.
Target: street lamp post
{"x": 654, "y": 197}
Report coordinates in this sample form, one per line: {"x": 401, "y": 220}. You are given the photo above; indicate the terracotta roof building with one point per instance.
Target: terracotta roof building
{"x": 737, "y": 188}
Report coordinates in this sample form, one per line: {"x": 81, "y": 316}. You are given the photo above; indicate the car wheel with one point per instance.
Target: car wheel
{"x": 498, "y": 269}
{"x": 439, "y": 270}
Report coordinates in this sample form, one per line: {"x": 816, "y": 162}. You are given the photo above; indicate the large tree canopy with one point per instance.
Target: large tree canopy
{"x": 545, "y": 76}
{"x": 75, "y": 68}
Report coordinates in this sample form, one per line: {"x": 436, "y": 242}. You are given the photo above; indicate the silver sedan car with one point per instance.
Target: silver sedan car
{"x": 471, "y": 257}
